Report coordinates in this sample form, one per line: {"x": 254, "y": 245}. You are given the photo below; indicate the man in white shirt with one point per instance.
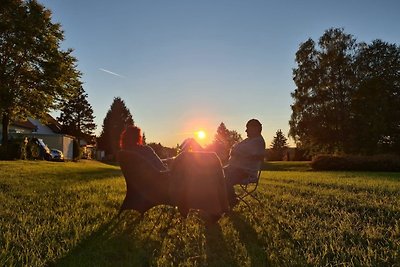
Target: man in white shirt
{"x": 245, "y": 158}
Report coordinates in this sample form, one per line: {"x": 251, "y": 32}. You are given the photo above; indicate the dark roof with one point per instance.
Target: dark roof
{"x": 24, "y": 124}
{"x": 49, "y": 121}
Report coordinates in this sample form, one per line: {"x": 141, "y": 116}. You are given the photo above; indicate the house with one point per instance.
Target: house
{"x": 48, "y": 131}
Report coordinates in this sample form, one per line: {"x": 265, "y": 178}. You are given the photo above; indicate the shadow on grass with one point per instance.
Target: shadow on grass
{"x": 118, "y": 242}
{"x": 133, "y": 240}
{"x": 255, "y": 246}
{"x": 216, "y": 247}
{"x": 113, "y": 244}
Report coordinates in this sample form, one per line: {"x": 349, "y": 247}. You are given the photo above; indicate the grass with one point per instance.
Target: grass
{"x": 65, "y": 214}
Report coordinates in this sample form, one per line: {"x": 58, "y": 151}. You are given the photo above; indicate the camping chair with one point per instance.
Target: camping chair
{"x": 248, "y": 187}
{"x": 195, "y": 181}
{"x": 146, "y": 186}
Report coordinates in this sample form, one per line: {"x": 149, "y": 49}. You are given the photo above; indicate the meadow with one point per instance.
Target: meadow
{"x": 65, "y": 214}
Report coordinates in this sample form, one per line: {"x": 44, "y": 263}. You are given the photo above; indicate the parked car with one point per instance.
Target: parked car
{"x": 56, "y": 155}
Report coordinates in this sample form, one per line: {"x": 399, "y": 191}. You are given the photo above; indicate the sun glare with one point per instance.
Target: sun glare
{"x": 201, "y": 134}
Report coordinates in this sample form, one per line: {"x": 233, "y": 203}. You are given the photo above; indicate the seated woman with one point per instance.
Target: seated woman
{"x": 131, "y": 139}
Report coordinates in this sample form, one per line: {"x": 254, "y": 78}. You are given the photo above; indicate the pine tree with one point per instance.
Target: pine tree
{"x": 278, "y": 146}
{"x": 280, "y": 141}
{"x": 77, "y": 117}
{"x": 117, "y": 118}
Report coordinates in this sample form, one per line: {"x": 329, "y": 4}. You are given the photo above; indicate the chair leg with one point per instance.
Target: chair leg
{"x": 251, "y": 195}
{"x": 245, "y": 202}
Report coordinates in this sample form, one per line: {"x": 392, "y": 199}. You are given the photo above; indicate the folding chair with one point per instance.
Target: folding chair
{"x": 248, "y": 188}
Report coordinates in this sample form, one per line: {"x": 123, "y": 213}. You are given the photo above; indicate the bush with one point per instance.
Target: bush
{"x": 274, "y": 155}
{"x": 301, "y": 155}
{"x": 356, "y": 163}
{"x": 15, "y": 149}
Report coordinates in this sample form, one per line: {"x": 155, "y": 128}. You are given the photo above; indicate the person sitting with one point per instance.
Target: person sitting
{"x": 245, "y": 159}
{"x": 131, "y": 139}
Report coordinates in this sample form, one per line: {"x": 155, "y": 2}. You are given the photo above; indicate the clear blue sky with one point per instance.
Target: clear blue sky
{"x": 186, "y": 65}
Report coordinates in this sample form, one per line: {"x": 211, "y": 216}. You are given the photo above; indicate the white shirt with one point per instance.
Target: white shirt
{"x": 243, "y": 154}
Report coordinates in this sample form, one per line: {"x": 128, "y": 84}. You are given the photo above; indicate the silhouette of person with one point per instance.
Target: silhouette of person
{"x": 245, "y": 158}
{"x": 131, "y": 139}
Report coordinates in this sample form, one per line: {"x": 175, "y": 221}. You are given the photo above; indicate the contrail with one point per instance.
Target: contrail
{"x": 110, "y": 72}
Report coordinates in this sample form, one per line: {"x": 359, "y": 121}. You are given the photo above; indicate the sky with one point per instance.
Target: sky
{"x": 187, "y": 65}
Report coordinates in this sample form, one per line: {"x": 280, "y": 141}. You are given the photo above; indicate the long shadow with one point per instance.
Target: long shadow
{"x": 216, "y": 247}
{"x": 255, "y": 246}
{"x": 262, "y": 245}
{"x": 113, "y": 244}
{"x": 119, "y": 243}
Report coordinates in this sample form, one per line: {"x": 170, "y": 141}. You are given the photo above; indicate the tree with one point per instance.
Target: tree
{"x": 324, "y": 78}
{"x": 118, "y": 117}
{"x": 35, "y": 74}
{"x": 279, "y": 142}
{"x": 278, "y": 146}
{"x": 224, "y": 139}
{"x": 376, "y": 103}
{"x": 347, "y": 96}
{"x": 77, "y": 117}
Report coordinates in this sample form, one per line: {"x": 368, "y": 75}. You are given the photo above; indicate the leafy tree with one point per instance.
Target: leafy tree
{"x": 77, "y": 117}
{"x": 278, "y": 146}
{"x": 376, "y": 103}
{"x": 224, "y": 139}
{"x": 347, "y": 95}
{"x": 35, "y": 74}
{"x": 324, "y": 78}
{"x": 117, "y": 118}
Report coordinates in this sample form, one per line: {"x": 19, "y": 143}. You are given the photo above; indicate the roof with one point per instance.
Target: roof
{"x": 24, "y": 124}
{"x": 34, "y": 124}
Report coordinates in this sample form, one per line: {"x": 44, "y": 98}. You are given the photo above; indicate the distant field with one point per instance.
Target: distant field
{"x": 64, "y": 214}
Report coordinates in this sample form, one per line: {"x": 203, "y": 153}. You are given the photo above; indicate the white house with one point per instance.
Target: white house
{"x": 49, "y": 132}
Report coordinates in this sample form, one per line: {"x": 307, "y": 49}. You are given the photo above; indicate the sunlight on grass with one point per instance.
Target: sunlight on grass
{"x": 64, "y": 214}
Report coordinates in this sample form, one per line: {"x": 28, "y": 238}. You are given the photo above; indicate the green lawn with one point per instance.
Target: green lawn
{"x": 65, "y": 214}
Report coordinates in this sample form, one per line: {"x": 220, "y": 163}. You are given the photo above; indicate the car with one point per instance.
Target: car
{"x": 56, "y": 155}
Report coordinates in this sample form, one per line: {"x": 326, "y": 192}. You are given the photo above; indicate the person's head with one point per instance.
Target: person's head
{"x": 253, "y": 128}
{"x": 130, "y": 137}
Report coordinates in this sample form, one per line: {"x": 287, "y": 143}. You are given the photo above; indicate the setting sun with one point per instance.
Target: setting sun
{"x": 201, "y": 134}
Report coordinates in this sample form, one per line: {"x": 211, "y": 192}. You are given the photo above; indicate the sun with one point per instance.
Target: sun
{"x": 201, "y": 134}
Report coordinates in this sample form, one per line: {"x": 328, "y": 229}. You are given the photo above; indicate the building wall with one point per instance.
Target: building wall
{"x": 68, "y": 147}
{"x": 41, "y": 128}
